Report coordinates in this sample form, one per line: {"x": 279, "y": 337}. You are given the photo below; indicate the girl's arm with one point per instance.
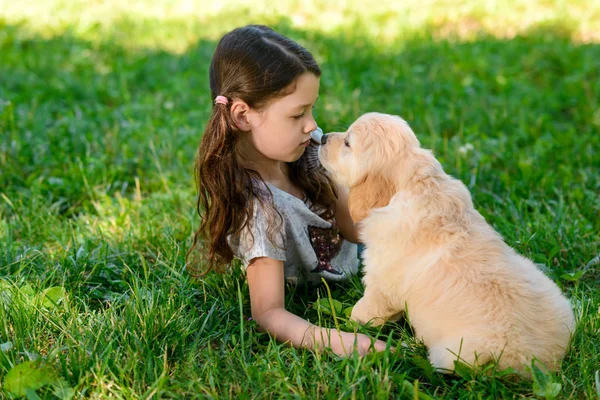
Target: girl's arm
{"x": 347, "y": 227}
{"x": 267, "y": 286}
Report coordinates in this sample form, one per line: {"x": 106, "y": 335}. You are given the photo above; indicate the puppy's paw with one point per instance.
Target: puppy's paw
{"x": 359, "y": 313}
{"x": 472, "y": 352}
{"x": 363, "y": 314}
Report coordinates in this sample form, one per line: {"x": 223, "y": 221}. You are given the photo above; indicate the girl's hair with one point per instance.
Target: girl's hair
{"x": 257, "y": 65}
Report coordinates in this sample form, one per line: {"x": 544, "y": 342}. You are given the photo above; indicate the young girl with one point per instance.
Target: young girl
{"x": 261, "y": 205}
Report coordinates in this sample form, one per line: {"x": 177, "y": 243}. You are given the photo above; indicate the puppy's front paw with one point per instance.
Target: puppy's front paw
{"x": 363, "y": 313}
{"x": 358, "y": 312}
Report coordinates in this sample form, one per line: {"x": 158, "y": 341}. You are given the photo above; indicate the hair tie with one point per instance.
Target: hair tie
{"x": 221, "y": 100}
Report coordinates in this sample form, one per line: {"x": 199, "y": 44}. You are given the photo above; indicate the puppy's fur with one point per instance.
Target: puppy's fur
{"x": 429, "y": 252}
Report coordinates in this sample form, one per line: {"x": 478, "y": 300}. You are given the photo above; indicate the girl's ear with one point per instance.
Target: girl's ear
{"x": 239, "y": 114}
{"x": 372, "y": 191}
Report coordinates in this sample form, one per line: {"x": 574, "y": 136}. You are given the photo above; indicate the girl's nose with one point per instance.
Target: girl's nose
{"x": 313, "y": 125}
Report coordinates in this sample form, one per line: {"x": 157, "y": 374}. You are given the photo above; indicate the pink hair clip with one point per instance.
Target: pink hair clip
{"x": 221, "y": 100}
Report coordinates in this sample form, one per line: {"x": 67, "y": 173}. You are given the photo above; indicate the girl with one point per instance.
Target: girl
{"x": 283, "y": 221}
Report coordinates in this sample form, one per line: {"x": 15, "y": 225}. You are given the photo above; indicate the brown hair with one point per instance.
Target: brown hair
{"x": 257, "y": 65}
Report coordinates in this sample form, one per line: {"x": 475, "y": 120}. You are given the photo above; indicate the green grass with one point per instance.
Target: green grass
{"x": 102, "y": 106}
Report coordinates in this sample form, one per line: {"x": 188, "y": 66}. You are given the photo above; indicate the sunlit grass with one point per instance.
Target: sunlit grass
{"x": 183, "y": 23}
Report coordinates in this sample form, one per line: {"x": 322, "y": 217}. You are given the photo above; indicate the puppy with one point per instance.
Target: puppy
{"x": 470, "y": 296}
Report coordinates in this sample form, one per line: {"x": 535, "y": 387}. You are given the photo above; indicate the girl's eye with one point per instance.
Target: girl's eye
{"x": 298, "y": 116}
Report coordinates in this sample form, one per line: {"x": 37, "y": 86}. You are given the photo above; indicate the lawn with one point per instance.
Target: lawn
{"x": 102, "y": 107}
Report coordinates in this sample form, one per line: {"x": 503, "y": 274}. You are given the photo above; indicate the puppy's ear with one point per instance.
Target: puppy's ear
{"x": 372, "y": 191}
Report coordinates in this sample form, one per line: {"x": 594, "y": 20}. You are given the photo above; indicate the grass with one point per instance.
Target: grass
{"x": 102, "y": 106}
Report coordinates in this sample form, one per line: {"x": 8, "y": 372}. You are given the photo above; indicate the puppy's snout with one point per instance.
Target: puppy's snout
{"x": 324, "y": 139}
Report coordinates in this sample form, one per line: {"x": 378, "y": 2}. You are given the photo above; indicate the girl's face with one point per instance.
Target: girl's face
{"x": 281, "y": 132}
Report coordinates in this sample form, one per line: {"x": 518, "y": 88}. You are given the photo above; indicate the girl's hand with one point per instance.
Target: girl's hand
{"x": 345, "y": 343}
{"x": 266, "y": 286}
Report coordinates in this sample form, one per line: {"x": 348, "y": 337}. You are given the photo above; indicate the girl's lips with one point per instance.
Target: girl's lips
{"x": 305, "y": 144}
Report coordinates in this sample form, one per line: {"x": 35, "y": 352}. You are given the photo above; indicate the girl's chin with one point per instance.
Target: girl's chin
{"x": 297, "y": 156}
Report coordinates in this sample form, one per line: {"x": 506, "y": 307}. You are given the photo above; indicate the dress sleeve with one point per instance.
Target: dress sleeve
{"x": 253, "y": 241}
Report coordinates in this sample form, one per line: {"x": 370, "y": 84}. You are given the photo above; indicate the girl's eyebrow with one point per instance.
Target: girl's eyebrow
{"x": 306, "y": 105}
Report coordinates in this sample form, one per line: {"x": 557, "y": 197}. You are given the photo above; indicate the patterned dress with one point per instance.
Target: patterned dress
{"x": 309, "y": 246}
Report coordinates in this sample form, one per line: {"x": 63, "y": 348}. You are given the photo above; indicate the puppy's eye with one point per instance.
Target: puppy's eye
{"x": 346, "y": 142}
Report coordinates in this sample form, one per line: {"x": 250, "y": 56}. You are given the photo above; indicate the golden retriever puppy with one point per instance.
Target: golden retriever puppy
{"x": 469, "y": 296}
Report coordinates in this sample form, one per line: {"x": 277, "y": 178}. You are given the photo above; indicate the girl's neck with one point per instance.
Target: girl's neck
{"x": 272, "y": 171}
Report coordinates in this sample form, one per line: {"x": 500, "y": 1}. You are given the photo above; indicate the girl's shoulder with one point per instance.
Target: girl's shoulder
{"x": 271, "y": 202}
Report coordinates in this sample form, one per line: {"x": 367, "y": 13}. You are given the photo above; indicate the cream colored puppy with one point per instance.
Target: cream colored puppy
{"x": 430, "y": 253}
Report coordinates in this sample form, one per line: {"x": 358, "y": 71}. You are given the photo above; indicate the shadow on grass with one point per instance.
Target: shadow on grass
{"x": 83, "y": 122}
